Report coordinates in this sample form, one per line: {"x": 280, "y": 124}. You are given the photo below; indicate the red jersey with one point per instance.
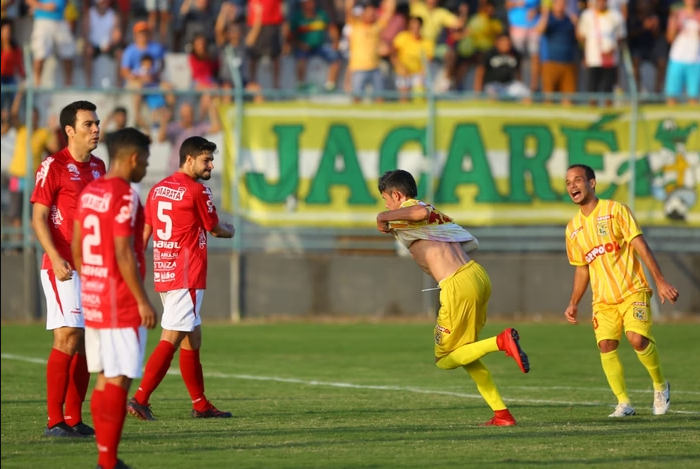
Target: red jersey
{"x": 107, "y": 208}
{"x": 181, "y": 212}
{"x": 59, "y": 181}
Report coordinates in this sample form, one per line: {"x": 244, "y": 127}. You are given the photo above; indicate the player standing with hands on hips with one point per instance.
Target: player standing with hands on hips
{"x": 180, "y": 212}
{"x": 59, "y": 180}
{"x": 605, "y": 243}
{"x": 109, "y": 255}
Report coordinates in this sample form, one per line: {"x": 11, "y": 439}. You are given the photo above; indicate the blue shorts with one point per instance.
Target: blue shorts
{"x": 362, "y": 78}
{"x": 326, "y": 52}
{"x": 683, "y": 75}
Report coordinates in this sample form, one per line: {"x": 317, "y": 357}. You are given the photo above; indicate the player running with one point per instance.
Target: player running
{"x": 179, "y": 213}
{"x": 109, "y": 255}
{"x": 439, "y": 246}
{"x": 59, "y": 180}
{"x": 604, "y": 241}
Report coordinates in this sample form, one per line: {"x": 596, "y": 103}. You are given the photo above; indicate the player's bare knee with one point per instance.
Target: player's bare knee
{"x": 637, "y": 341}
{"x": 174, "y": 337}
{"x": 606, "y": 346}
{"x": 69, "y": 340}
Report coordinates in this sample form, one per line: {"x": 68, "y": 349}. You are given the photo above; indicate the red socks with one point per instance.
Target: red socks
{"x": 156, "y": 368}
{"x": 191, "y": 371}
{"x": 57, "y": 373}
{"x": 109, "y": 422}
{"x": 77, "y": 389}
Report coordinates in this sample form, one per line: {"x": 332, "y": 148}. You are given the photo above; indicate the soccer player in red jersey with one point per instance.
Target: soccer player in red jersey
{"x": 179, "y": 213}
{"x": 108, "y": 252}
{"x": 59, "y": 180}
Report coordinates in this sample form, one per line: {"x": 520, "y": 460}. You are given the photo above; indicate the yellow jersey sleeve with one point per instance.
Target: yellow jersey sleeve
{"x": 629, "y": 228}
{"x": 573, "y": 251}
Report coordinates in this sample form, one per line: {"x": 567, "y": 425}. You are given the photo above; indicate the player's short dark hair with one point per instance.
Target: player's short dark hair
{"x": 195, "y": 146}
{"x": 590, "y": 174}
{"x": 398, "y": 180}
{"x": 69, "y": 114}
{"x": 125, "y": 142}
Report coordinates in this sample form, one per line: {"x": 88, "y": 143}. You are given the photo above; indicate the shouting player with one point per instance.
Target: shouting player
{"x": 59, "y": 180}
{"x": 109, "y": 256}
{"x": 603, "y": 241}
{"x": 179, "y": 213}
{"x": 440, "y": 248}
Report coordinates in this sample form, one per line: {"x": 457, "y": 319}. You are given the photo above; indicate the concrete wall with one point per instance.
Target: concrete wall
{"x": 525, "y": 285}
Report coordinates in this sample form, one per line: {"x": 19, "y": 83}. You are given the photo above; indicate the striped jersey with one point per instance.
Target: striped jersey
{"x": 601, "y": 240}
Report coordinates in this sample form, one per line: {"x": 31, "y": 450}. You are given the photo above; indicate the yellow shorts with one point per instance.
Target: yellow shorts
{"x": 634, "y": 314}
{"x": 464, "y": 298}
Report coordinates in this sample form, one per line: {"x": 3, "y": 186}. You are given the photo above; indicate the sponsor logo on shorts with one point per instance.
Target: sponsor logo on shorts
{"x": 640, "y": 313}
{"x": 600, "y": 250}
{"x": 75, "y": 311}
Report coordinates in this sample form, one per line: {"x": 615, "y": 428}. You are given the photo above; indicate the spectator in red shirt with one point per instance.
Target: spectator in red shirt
{"x": 204, "y": 69}
{"x": 268, "y": 40}
{"x": 12, "y": 63}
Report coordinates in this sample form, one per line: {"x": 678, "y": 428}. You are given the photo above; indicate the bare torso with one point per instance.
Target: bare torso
{"x": 438, "y": 259}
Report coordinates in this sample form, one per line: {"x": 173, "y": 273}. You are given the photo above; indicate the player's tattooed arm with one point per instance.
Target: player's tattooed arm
{"x": 40, "y": 223}
{"x": 581, "y": 278}
{"x": 666, "y": 290}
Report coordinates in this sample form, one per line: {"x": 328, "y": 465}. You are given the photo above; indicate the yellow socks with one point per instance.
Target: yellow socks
{"x": 612, "y": 366}
{"x": 650, "y": 359}
{"x": 484, "y": 383}
{"x": 467, "y": 354}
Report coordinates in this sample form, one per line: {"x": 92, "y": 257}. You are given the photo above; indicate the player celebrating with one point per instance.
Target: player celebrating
{"x": 601, "y": 241}
{"x": 440, "y": 248}
{"x": 59, "y": 180}
{"x": 179, "y": 212}
{"x": 109, "y": 256}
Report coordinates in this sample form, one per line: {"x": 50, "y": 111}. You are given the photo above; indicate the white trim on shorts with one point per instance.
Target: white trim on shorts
{"x": 181, "y": 309}
{"x": 63, "y": 308}
{"x": 116, "y": 352}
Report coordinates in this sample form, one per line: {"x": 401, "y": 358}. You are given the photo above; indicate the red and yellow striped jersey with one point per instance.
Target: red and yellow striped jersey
{"x": 601, "y": 240}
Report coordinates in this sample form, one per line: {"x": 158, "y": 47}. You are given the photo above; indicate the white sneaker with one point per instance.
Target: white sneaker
{"x": 623, "y": 410}
{"x": 662, "y": 400}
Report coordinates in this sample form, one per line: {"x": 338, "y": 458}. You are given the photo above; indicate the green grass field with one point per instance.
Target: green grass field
{"x": 369, "y": 396}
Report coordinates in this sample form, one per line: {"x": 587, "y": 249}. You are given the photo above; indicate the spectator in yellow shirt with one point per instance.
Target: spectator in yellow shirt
{"x": 43, "y": 141}
{"x": 365, "y": 34}
{"x": 412, "y": 52}
{"x": 479, "y": 37}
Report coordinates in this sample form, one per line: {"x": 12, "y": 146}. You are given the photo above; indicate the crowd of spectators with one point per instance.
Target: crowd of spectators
{"x": 514, "y": 49}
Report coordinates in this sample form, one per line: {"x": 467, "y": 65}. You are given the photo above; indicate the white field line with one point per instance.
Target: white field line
{"x": 7, "y": 356}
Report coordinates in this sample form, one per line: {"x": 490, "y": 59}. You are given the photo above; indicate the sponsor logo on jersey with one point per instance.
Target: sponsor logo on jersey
{"x": 94, "y": 271}
{"x": 166, "y": 245}
{"x": 168, "y": 255}
{"x": 56, "y": 217}
{"x": 90, "y": 299}
{"x": 163, "y": 276}
{"x": 602, "y": 228}
{"x": 202, "y": 238}
{"x": 605, "y": 217}
{"x": 640, "y": 303}
{"x": 156, "y": 255}
{"x": 93, "y": 285}
{"x": 74, "y": 172}
{"x": 165, "y": 265}
{"x": 96, "y": 174}
{"x": 43, "y": 171}
{"x": 168, "y": 193}
{"x": 210, "y": 202}
{"x": 96, "y": 203}
{"x": 92, "y": 314}
{"x": 93, "y": 164}
{"x": 575, "y": 232}
{"x": 600, "y": 250}
{"x": 126, "y": 213}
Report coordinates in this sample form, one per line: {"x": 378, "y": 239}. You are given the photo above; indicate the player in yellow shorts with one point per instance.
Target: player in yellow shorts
{"x": 439, "y": 246}
{"x": 605, "y": 243}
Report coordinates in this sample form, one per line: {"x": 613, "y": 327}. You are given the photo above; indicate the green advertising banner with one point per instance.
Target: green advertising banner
{"x": 314, "y": 164}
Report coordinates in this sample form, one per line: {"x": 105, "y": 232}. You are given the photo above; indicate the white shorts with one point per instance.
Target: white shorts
{"x": 156, "y": 5}
{"x": 50, "y": 34}
{"x": 181, "y": 309}
{"x": 116, "y": 352}
{"x": 62, "y": 301}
